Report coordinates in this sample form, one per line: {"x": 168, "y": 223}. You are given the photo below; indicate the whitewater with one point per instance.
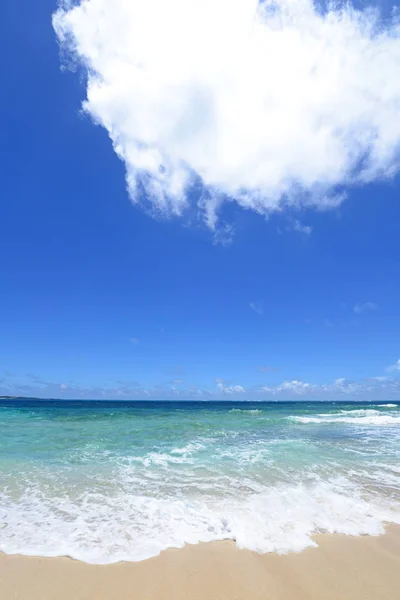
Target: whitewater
{"x": 103, "y": 482}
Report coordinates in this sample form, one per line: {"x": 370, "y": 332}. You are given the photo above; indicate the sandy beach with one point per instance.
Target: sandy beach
{"x": 340, "y": 568}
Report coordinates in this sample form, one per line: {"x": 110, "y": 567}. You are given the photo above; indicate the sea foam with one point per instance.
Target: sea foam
{"x": 352, "y": 420}
{"x": 98, "y": 529}
{"x": 106, "y": 483}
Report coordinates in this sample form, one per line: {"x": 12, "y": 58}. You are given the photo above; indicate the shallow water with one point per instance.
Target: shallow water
{"x": 110, "y": 481}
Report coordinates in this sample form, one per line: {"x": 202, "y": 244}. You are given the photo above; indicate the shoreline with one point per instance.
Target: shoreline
{"x": 340, "y": 567}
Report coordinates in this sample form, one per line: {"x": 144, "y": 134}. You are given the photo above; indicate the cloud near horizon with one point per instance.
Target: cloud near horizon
{"x": 272, "y": 105}
{"x": 373, "y": 388}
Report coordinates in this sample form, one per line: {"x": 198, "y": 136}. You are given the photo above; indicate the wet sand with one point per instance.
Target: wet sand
{"x": 340, "y": 568}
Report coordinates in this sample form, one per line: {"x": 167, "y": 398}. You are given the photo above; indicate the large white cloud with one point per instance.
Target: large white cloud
{"x": 269, "y": 104}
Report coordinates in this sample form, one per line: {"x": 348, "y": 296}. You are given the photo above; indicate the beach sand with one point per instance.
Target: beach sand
{"x": 340, "y": 568}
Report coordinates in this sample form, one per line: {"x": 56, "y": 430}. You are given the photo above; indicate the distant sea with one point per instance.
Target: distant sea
{"x": 109, "y": 481}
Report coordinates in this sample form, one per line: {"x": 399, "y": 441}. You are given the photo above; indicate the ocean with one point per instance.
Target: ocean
{"x": 109, "y": 481}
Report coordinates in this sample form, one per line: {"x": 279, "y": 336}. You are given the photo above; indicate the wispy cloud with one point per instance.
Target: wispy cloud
{"x": 372, "y": 388}
{"x": 257, "y": 308}
{"x": 224, "y": 382}
{"x": 230, "y": 389}
{"x": 35, "y": 378}
{"x": 297, "y": 226}
{"x": 266, "y": 133}
{"x": 134, "y": 340}
{"x": 178, "y": 370}
{"x": 365, "y": 307}
{"x": 295, "y": 386}
{"x": 267, "y": 369}
{"x": 395, "y": 367}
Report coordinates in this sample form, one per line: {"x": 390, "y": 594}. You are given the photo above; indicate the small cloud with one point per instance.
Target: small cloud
{"x": 257, "y": 308}
{"x": 364, "y": 307}
{"x": 296, "y": 386}
{"x": 134, "y": 340}
{"x": 177, "y": 381}
{"x": 329, "y": 323}
{"x": 331, "y": 201}
{"x": 230, "y": 389}
{"x": 127, "y": 384}
{"x": 224, "y": 235}
{"x": 395, "y": 367}
{"x": 196, "y": 390}
{"x": 63, "y": 386}
{"x": 35, "y": 378}
{"x": 267, "y": 369}
{"x": 178, "y": 370}
{"x": 297, "y": 226}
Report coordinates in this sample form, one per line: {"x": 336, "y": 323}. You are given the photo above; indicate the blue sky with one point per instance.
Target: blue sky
{"x": 101, "y": 299}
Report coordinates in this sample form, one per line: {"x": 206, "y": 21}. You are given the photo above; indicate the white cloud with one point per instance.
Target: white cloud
{"x": 257, "y": 308}
{"x": 364, "y": 307}
{"x": 178, "y": 370}
{"x": 288, "y": 389}
{"x": 343, "y": 386}
{"x": 298, "y": 387}
{"x": 273, "y": 104}
{"x": 230, "y": 389}
{"x": 134, "y": 340}
{"x": 267, "y": 369}
{"x": 373, "y": 388}
{"x": 297, "y": 226}
{"x": 339, "y": 387}
{"x": 395, "y": 367}
{"x": 193, "y": 389}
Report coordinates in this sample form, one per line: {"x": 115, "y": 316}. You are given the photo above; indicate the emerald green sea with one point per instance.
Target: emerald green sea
{"x": 109, "y": 481}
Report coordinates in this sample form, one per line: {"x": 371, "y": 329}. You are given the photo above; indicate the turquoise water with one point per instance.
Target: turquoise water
{"x": 110, "y": 481}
